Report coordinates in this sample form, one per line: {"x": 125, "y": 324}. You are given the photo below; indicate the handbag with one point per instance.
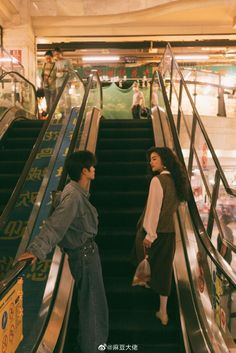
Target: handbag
{"x": 145, "y": 112}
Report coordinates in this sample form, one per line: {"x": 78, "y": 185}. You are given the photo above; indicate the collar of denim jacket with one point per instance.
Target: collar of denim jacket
{"x": 76, "y": 185}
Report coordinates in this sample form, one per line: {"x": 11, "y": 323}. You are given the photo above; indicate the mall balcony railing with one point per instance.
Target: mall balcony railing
{"x": 201, "y": 223}
{"x": 17, "y": 92}
{"x": 213, "y": 94}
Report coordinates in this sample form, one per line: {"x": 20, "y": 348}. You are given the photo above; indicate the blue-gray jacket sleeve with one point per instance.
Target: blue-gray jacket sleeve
{"x": 55, "y": 227}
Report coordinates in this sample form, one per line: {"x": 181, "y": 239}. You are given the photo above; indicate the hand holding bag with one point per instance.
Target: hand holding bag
{"x": 142, "y": 274}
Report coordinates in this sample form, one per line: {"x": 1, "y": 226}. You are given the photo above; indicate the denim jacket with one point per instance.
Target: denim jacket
{"x": 72, "y": 223}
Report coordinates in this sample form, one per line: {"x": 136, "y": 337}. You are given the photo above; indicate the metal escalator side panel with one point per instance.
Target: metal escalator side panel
{"x": 198, "y": 316}
{"x": 47, "y": 313}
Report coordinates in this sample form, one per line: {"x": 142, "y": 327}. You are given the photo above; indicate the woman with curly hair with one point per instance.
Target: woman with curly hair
{"x": 168, "y": 187}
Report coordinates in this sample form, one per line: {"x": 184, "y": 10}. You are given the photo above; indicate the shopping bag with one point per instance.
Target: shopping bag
{"x": 146, "y": 112}
{"x": 142, "y": 274}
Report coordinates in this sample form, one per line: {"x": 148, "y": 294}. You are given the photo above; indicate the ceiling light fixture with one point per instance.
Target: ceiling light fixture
{"x": 8, "y": 60}
{"x": 213, "y": 48}
{"x": 192, "y": 57}
{"x": 234, "y": 22}
{"x": 230, "y": 55}
{"x": 100, "y": 58}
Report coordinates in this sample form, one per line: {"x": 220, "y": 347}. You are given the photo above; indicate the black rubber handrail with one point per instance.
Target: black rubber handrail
{"x": 195, "y": 217}
{"x": 7, "y": 210}
{"x": 78, "y": 123}
{"x": 12, "y": 275}
{"x": 228, "y": 189}
{"x": 24, "y": 79}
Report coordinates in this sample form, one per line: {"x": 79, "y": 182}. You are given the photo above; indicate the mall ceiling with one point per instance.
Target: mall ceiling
{"x": 131, "y": 28}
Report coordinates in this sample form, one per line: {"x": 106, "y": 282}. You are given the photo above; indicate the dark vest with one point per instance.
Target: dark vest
{"x": 169, "y": 204}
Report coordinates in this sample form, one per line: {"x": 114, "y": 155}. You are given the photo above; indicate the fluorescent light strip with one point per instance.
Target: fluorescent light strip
{"x": 191, "y": 57}
{"x": 14, "y": 60}
{"x": 100, "y": 58}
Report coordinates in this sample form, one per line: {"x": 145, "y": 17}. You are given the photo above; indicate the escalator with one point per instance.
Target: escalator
{"x": 27, "y": 147}
{"x": 203, "y": 281}
{"x": 15, "y": 148}
{"x": 19, "y": 130}
{"x": 204, "y": 284}
{"x": 119, "y": 193}
{"x": 33, "y": 204}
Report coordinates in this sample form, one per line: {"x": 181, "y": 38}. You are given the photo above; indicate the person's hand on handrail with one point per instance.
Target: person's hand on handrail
{"x": 27, "y": 256}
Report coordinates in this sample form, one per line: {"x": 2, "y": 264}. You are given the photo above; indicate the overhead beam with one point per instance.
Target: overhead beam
{"x": 7, "y": 10}
{"x": 72, "y": 46}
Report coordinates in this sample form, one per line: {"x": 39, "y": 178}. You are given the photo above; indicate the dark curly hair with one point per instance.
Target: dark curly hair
{"x": 176, "y": 169}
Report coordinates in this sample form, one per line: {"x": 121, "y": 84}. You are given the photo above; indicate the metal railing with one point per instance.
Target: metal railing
{"x": 196, "y": 145}
{"x": 201, "y": 254}
{"x": 16, "y": 90}
{"x": 4, "y": 216}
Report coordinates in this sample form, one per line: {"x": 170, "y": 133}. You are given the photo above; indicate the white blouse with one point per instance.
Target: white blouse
{"x": 153, "y": 208}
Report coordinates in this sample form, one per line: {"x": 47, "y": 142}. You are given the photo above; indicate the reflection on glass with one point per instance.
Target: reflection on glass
{"x": 16, "y": 91}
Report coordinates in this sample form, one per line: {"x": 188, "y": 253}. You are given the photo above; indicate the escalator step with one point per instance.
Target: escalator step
{"x": 121, "y": 293}
{"x": 122, "y": 143}
{"x": 122, "y": 155}
{"x": 121, "y": 168}
{"x": 125, "y": 133}
{"x": 119, "y": 217}
{"x": 9, "y": 167}
{"x": 14, "y": 154}
{"x": 9, "y": 180}
{"x": 141, "y": 327}
{"x": 125, "y": 123}
{"x": 23, "y": 132}
{"x": 120, "y": 183}
{"x": 5, "y": 195}
{"x": 28, "y": 123}
{"x": 120, "y": 198}
{"x": 15, "y": 142}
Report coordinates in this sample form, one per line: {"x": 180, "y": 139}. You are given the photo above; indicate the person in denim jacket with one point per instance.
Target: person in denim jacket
{"x": 73, "y": 225}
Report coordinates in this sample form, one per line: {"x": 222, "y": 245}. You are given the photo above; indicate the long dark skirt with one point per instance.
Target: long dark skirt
{"x": 161, "y": 256}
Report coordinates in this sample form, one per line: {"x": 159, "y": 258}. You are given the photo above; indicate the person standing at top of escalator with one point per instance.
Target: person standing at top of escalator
{"x": 62, "y": 67}
{"x": 138, "y": 101}
{"x": 73, "y": 225}
{"x": 48, "y": 79}
{"x": 167, "y": 189}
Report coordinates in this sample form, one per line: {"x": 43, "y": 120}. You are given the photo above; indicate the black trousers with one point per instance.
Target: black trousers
{"x": 136, "y": 111}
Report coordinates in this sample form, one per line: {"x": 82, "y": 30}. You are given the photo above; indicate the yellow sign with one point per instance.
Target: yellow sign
{"x": 11, "y": 315}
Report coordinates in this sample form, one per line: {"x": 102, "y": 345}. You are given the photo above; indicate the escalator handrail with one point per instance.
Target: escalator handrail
{"x": 20, "y": 267}
{"x": 95, "y": 73}
{"x": 196, "y": 219}
{"x": 223, "y": 178}
{"x": 72, "y": 147}
{"x": 24, "y": 79}
{"x": 78, "y": 122}
{"x": 211, "y": 84}
{"x": 12, "y": 275}
{"x": 7, "y": 210}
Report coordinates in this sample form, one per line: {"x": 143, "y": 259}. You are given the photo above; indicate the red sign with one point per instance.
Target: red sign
{"x": 17, "y": 53}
